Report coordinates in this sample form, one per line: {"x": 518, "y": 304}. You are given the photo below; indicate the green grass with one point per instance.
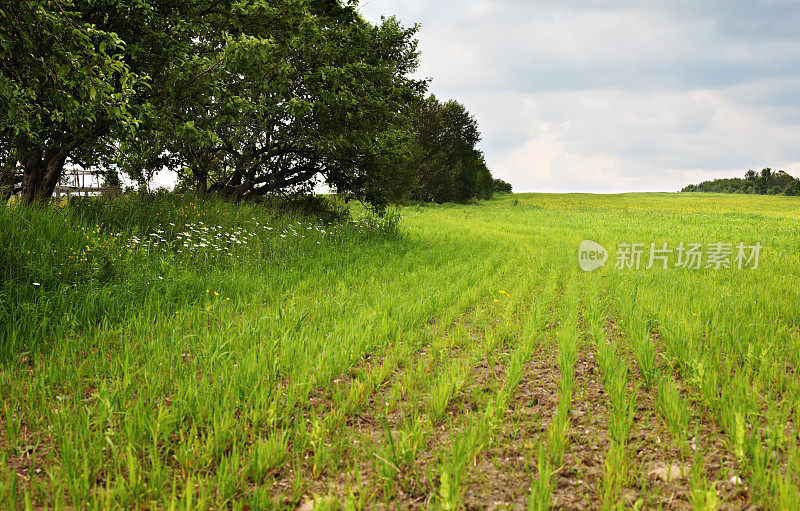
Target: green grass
{"x": 249, "y": 356}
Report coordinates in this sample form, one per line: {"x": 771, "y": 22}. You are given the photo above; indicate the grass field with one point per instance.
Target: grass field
{"x": 171, "y": 353}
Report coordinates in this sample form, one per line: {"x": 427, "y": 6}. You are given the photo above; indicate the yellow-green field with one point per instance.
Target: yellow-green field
{"x": 462, "y": 360}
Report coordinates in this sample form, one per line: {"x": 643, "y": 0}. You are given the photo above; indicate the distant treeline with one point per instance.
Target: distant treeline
{"x": 768, "y": 182}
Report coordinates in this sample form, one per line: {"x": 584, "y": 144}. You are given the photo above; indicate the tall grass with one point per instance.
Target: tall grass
{"x": 95, "y": 262}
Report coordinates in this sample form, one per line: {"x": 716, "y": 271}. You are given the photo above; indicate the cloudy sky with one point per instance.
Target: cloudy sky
{"x": 615, "y": 96}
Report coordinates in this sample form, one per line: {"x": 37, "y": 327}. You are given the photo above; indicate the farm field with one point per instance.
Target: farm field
{"x": 180, "y": 354}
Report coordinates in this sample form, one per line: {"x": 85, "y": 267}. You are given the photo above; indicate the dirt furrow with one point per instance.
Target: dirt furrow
{"x": 501, "y": 474}
{"x": 661, "y": 469}
{"x": 578, "y": 480}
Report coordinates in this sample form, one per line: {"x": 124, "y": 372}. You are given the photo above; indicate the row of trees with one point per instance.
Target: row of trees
{"x": 767, "y": 182}
{"x": 241, "y": 98}
{"x": 444, "y": 164}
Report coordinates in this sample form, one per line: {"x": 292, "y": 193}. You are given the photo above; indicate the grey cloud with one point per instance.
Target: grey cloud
{"x": 617, "y": 95}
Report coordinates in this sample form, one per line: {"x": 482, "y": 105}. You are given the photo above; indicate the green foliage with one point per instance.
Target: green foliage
{"x": 614, "y": 476}
{"x": 542, "y": 484}
{"x": 645, "y": 354}
{"x": 445, "y": 165}
{"x": 246, "y": 98}
{"x": 674, "y": 409}
{"x": 500, "y": 186}
{"x": 328, "y": 210}
{"x": 765, "y": 183}
{"x": 64, "y": 85}
{"x": 293, "y": 95}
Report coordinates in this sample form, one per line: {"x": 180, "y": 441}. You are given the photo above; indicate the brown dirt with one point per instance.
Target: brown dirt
{"x": 367, "y": 432}
{"x": 501, "y": 475}
{"x": 579, "y": 481}
{"x": 653, "y": 451}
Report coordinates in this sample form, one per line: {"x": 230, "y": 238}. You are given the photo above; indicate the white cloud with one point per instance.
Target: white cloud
{"x": 583, "y": 95}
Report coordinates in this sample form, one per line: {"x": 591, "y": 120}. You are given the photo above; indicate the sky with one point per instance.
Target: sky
{"x": 610, "y": 96}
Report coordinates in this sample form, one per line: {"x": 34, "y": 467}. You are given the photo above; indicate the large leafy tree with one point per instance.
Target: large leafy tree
{"x": 63, "y": 87}
{"x": 297, "y": 91}
{"x": 81, "y": 79}
{"x": 249, "y": 96}
{"x": 161, "y": 38}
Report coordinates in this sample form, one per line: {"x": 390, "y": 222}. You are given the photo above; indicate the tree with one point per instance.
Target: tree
{"x": 301, "y": 94}
{"x": 63, "y": 87}
{"x": 764, "y": 182}
{"x": 447, "y": 164}
{"x": 782, "y": 180}
{"x": 249, "y": 96}
{"x": 270, "y": 96}
{"x": 501, "y": 186}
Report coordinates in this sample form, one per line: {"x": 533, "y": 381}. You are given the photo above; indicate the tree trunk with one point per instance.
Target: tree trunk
{"x": 41, "y": 173}
{"x": 201, "y": 178}
{"x": 42, "y": 169}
